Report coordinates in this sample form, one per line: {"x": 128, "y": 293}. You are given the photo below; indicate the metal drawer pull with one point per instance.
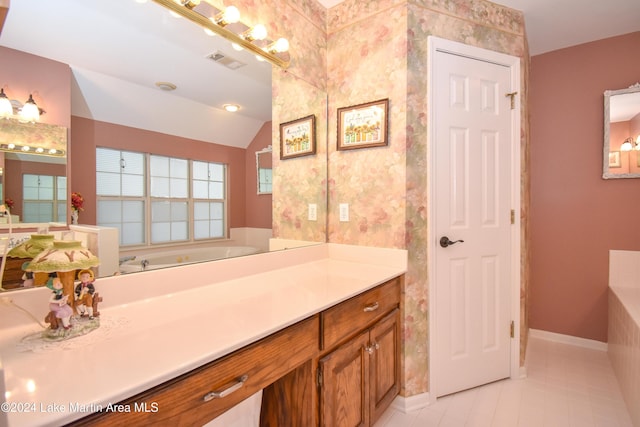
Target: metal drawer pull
{"x": 227, "y": 391}
{"x": 372, "y": 307}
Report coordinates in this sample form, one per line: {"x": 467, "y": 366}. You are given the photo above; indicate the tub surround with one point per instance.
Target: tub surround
{"x": 624, "y": 325}
{"x": 144, "y": 262}
{"x": 160, "y": 324}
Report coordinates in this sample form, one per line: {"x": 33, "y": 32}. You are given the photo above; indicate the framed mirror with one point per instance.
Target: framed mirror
{"x": 34, "y": 172}
{"x": 264, "y": 170}
{"x": 134, "y": 53}
{"x": 622, "y": 133}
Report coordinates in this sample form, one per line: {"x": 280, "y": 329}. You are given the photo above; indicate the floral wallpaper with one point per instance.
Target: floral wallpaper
{"x": 378, "y": 49}
{"x": 361, "y": 51}
{"x": 299, "y": 181}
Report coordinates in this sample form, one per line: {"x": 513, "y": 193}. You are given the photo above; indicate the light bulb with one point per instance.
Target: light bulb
{"x": 30, "y": 111}
{"x": 626, "y": 145}
{"x": 231, "y": 15}
{"x": 208, "y": 31}
{"x": 6, "y": 109}
{"x": 258, "y": 32}
{"x": 279, "y": 46}
{"x": 282, "y": 45}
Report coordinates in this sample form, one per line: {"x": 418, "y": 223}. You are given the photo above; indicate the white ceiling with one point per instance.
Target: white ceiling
{"x": 556, "y": 24}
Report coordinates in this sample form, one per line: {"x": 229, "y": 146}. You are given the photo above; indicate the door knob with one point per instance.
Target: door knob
{"x": 444, "y": 241}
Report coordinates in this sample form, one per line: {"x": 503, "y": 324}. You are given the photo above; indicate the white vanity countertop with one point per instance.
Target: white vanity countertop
{"x": 146, "y": 341}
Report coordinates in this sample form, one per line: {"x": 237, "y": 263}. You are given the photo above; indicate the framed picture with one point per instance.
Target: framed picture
{"x": 298, "y": 137}
{"x": 363, "y": 125}
{"x": 614, "y": 159}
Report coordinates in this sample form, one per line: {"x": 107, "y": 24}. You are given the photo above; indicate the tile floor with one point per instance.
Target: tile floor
{"x": 565, "y": 386}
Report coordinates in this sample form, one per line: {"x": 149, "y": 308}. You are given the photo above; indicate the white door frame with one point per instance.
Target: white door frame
{"x": 513, "y": 63}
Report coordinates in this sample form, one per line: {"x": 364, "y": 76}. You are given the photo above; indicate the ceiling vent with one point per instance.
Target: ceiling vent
{"x": 227, "y": 61}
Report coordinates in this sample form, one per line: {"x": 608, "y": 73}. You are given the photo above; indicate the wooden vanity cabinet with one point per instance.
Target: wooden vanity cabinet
{"x": 188, "y": 401}
{"x": 13, "y": 273}
{"x": 358, "y": 379}
{"x": 350, "y": 352}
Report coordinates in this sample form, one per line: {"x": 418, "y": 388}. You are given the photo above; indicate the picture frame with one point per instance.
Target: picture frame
{"x": 614, "y": 159}
{"x": 298, "y": 137}
{"x": 363, "y": 125}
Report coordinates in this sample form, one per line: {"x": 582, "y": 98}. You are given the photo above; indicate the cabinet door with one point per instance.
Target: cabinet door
{"x": 344, "y": 396}
{"x": 385, "y": 366}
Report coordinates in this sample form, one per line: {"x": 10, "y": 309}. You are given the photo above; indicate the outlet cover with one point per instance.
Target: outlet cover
{"x": 313, "y": 212}
{"x": 344, "y": 212}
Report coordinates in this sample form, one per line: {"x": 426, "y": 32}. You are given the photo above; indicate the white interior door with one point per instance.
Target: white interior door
{"x": 472, "y": 149}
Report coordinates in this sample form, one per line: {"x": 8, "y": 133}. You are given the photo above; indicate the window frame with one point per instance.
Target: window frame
{"x": 190, "y": 200}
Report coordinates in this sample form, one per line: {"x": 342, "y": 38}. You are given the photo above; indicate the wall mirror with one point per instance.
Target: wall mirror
{"x": 34, "y": 172}
{"x": 622, "y": 133}
{"x": 264, "y": 170}
{"x": 121, "y": 52}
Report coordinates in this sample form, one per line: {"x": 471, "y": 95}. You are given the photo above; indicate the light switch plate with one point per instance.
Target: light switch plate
{"x": 313, "y": 212}
{"x": 344, "y": 212}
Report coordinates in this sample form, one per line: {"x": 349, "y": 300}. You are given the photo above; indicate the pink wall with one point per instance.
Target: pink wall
{"x": 258, "y": 206}
{"x": 49, "y": 81}
{"x": 576, "y": 216}
{"x": 87, "y": 134}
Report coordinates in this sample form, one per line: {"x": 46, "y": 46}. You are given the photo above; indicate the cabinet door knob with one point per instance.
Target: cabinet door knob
{"x": 369, "y": 349}
{"x": 371, "y": 307}
{"x": 227, "y": 391}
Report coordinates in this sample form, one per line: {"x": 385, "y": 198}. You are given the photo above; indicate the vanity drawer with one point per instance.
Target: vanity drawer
{"x": 182, "y": 401}
{"x": 357, "y": 313}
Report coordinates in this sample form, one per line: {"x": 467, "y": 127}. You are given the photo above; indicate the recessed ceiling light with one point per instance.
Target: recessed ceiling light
{"x": 232, "y": 108}
{"x": 168, "y": 86}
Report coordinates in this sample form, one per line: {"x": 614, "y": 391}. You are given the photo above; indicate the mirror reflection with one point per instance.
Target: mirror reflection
{"x": 34, "y": 172}
{"x": 264, "y": 170}
{"x": 622, "y": 133}
{"x": 148, "y": 85}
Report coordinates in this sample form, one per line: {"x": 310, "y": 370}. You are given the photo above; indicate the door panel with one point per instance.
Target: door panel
{"x": 472, "y": 149}
{"x": 344, "y": 397}
{"x": 385, "y": 367}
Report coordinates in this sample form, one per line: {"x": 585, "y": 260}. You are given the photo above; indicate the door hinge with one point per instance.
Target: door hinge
{"x": 512, "y": 95}
{"x": 513, "y": 216}
{"x": 512, "y": 329}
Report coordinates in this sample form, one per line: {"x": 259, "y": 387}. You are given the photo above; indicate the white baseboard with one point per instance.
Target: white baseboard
{"x": 411, "y": 403}
{"x": 568, "y": 339}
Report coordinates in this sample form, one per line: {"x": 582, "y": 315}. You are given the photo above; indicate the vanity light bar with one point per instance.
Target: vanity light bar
{"x": 15, "y": 148}
{"x": 193, "y": 16}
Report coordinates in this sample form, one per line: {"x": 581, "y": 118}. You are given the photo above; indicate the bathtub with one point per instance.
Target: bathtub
{"x": 624, "y": 326}
{"x": 156, "y": 260}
